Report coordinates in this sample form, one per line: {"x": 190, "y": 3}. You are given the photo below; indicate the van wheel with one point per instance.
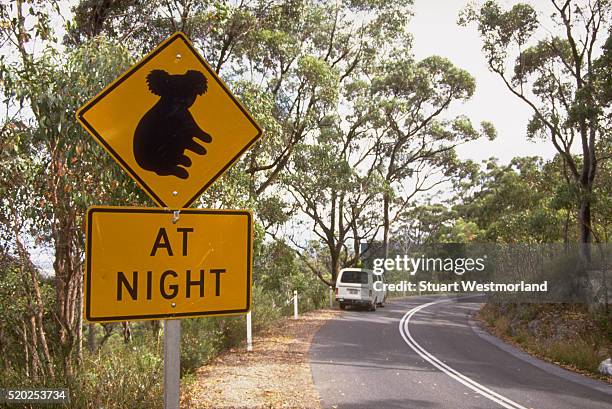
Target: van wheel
{"x": 342, "y": 306}
{"x": 373, "y": 306}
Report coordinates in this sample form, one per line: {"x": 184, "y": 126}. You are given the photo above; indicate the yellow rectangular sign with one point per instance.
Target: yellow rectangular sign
{"x": 140, "y": 264}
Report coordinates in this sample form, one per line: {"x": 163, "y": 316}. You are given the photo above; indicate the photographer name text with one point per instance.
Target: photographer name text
{"x": 461, "y": 286}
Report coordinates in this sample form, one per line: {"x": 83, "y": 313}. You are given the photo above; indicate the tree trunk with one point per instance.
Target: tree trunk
{"x": 357, "y": 249}
{"x": 566, "y": 230}
{"x": 24, "y": 338}
{"x": 584, "y": 220}
{"x": 29, "y": 274}
{"x": 586, "y": 290}
{"x": 80, "y": 319}
{"x": 334, "y": 265}
{"x": 127, "y": 332}
{"x": 34, "y": 352}
{"x": 584, "y": 217}
{"x": 67, "y": 271}
{"x": 386, "y": 223}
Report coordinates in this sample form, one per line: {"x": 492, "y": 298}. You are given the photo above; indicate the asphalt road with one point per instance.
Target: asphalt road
{"x": 423, "y": 352}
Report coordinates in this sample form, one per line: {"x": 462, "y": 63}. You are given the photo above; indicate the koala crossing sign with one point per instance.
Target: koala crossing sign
{"x": 142, "y": 265}
{"x": 171, "y": 123}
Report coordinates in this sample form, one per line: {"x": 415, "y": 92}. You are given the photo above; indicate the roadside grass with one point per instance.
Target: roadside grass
{"x": 129, "y": 375}
{"x": 567, "y": 335}
{"x": 577, "y": 353}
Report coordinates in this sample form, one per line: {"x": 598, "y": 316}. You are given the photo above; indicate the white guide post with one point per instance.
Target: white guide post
{"x": 172, "y": 363}
{"x": 295, "y": 305}
{"x": 249, "y": 332}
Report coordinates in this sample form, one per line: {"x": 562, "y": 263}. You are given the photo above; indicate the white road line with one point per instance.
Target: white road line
{"x": 470, "y": 383}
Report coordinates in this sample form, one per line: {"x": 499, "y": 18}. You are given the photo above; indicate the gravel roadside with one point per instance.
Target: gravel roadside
{"x": 275, "y": 375}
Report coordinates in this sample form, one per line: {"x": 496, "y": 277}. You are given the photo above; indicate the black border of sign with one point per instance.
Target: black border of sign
{"x": 88, "y": 253}
{"x": 80, "y": 114}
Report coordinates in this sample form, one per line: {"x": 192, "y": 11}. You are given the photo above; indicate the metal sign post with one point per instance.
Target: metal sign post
{"x": 172, "y": 364}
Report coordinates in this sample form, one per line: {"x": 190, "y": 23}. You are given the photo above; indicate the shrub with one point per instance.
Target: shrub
{"x": 267, "y": 308}
{"x": 502, "y": 325}
{"x": 119, "y": 376}
{"x": 577, "y": 353}
{"x": 488, "y": 313}
{"x": 201, "y": 339}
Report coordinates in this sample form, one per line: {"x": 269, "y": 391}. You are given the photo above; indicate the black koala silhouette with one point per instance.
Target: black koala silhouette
{"x": 168, "y": 128}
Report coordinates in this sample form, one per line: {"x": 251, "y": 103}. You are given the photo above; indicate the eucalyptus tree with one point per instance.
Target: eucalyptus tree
{"x": 419, "y": 140}
{"x": 524, "y": 201}
{"x": 303, "y": 52}
{"x": 428, "y": 223}
{"x": 392, "y": 107}
{"x": 51, "y": 171}
{"x": 334, "y": 182}
{"x": 562, "y": 74}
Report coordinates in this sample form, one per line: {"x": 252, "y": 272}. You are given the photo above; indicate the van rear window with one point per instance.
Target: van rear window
{"x": 354, "y": 277}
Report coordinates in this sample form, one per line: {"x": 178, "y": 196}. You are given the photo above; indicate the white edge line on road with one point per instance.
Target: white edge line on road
{"x": 470, "y": 383}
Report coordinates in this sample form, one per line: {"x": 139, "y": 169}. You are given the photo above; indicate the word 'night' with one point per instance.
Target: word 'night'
{"x": 170, "y": 283}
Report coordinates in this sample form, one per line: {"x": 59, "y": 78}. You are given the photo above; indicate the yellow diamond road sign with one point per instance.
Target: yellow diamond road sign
{"x": 141, "y": 265}
{"x": 171, "y": 123}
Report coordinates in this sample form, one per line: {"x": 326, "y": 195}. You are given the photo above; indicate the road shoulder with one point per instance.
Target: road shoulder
{"x": 275, "y": 375}
{"x": 480, "y": 329}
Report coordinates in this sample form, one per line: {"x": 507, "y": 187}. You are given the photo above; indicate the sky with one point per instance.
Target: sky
{"x": 436, "y": 32}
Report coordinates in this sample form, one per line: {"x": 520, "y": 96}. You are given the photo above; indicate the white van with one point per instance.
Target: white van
{"x": 355, "y": 286}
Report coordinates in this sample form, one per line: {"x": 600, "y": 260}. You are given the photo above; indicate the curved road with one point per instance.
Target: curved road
{"x": 424, "y": 352}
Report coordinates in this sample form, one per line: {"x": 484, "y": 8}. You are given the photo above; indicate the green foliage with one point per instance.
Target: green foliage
{"x": 117, "y": 376}
{"x": 320, "y": 75}
{"x": 563, "y": 334}
{"x": 488, "y": 129}
{"x": 17, "y": 304}
{"x": 120, "y": 376}
{"x": 603, "y": 77}
{"x": 561, "y": 76}
{"x": 278, "y": 273}
{"x": 514, "y": 203}
{"x": 201, "y": 339}
{"x": 51, "y": 141}
{"x": 500, "y": 29}
{"x": 268, "y": 307}
{"x": 526, "y": 201}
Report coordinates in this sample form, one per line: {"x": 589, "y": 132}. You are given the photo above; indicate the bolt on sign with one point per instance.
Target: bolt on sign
{"x": 171, "y": 123}
{"x": 142, "y": 265}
